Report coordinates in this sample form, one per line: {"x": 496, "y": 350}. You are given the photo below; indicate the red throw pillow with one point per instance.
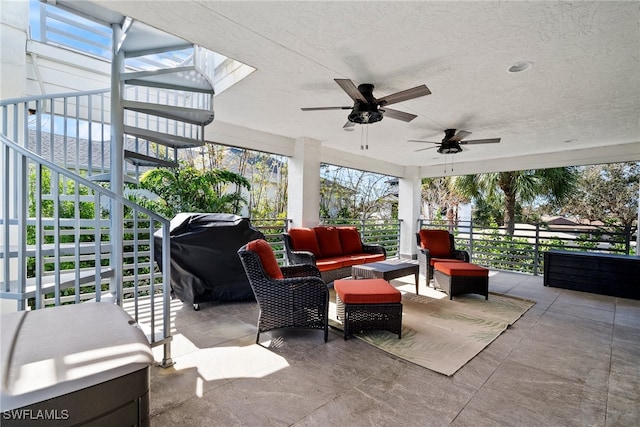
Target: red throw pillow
{"x": 437, "y": 241}
{"x": 304, "y": 239}
{"x": 350, "y": 240}
{"x": 267, "y": 257}
{"x": 329, "y": 241}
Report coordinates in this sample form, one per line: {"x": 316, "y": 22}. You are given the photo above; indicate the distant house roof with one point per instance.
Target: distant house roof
{"x": 558, "y": 220}
{"x": 572, "y": 222}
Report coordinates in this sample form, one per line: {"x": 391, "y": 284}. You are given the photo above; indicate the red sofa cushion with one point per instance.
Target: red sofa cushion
{"x": 437, "y": 241}
{"x": 332, "y": 263}
{"x": 364, "y": 258}
{"x": 367, "y": 291}
{"x": 350, "y": 240}
{"x": 329, "y": 241}
{"x": 304, "y": 239}
{"x": 267, "y": 257}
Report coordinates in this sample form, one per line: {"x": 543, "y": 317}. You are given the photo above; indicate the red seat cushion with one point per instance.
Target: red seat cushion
{"x": 461, "y": 269}
{"x": 331, "y": 263}
{"x": 432, "y": 261}
{"x": 267, "y": 257}
{"x": 304, "y": 239}
{"x": 367, "y": 291}
{"x": 350, "y": 240}
{"x": 437, "y": 241}
{"x": 365, "y": 258}
{"x": 328, "y": 241}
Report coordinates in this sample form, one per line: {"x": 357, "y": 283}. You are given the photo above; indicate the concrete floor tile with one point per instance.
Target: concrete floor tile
{"x": 518, "y": 395}
{"x": 598, "y": 312}
{"x": 554, "y": 327}
{"x": 567, "y": 360}
{"x": 623, "y": 411}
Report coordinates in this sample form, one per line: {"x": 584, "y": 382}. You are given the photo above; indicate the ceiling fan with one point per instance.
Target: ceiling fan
{"x": 367, "y": 109}
{"x": 451, "y": 142}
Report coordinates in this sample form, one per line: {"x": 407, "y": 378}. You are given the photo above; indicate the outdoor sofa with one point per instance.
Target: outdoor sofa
{"x": 334, "y": 250}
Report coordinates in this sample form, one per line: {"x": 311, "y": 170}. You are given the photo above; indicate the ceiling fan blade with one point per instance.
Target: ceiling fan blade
{"x": 325, "y": 108}
{"x": 351, "y": 89}
{"x": 462, "y": 134}
{"x": 348, "y": 125}
{"x": 427, "y": 148}
{"x": 398, "y": 115}
{"x": 481, "y": 141}
{"x": 405, "y": 95}
{"x": 423, "y": 141}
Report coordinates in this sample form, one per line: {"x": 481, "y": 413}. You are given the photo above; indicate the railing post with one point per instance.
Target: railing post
{"x": 471, "y": 239}
{"x": 398, "y": 236}
{"x": 536, "y": 250}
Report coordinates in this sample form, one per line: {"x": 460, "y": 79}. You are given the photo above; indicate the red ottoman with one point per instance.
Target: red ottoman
{"x": 457, "y": 278}
{"x": 369, "y": 304}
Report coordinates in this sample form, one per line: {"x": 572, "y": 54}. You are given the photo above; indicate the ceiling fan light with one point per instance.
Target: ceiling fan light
{"x": 364, "y": 117}
{"x": 519, "y": 67}
{"x": 450, "y": 149}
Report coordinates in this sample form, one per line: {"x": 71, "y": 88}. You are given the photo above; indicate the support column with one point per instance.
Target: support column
{"x": 117, "y": 164}
{"x": 14, "y": 26}
{"x": 304, "y": 183}
{"x": 409, "y": 199}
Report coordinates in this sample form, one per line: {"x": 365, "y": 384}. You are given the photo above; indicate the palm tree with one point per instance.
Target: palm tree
{"x": 191, "y": 190}
{"x": 518, "y": 186}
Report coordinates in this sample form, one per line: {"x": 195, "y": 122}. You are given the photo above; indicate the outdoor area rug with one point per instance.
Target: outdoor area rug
{"x": 442, "y": 334}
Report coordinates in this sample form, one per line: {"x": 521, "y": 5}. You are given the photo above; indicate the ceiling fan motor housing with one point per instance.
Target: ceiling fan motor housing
{"x": 366, "y": 112}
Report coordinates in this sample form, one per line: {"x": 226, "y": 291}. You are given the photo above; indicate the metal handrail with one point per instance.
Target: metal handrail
{"x": 523, "y": 251}
{"x": 16, "y": 157}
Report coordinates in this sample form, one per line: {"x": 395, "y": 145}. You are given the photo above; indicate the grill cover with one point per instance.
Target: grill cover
{"x": 205, "y": 265}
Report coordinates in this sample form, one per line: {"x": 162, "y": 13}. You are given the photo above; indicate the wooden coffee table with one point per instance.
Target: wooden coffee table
{"x": 387, "y": 270}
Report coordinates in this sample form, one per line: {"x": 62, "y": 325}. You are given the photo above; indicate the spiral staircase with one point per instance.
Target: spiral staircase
{"x": 69, "y": 234}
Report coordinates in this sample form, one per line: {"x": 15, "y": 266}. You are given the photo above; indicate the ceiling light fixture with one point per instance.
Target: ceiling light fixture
{"x": 520, "y": 66}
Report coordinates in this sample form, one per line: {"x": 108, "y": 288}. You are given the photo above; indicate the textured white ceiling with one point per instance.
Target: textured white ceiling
{"x": 583, "y": 87}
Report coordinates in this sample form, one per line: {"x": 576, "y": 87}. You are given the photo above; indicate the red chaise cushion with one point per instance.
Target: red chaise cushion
{"x": 267, "y": 257}
{"x": 367, "y": 291}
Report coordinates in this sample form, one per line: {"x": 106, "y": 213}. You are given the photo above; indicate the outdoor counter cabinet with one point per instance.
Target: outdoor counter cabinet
{"x": 606, "y": 274}
{"x": 73, "y": 365}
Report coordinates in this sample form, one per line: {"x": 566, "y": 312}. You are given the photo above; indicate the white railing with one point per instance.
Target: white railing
{"x": 56, "y": 244}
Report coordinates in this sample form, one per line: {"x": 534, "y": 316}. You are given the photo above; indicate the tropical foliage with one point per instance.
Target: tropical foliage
{"x": 607, "y": 193}
{"x": 515, "y": 187}
{"x": 192, "y": 190}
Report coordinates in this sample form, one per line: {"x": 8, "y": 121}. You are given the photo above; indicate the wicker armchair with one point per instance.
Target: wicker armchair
{"x": 434, "y": 246}
{"x": 289, "y": 297}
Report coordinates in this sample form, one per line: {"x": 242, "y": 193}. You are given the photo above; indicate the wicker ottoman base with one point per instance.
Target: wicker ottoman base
{"x": 462, "y": 278}
{"x": 370, "y": 315}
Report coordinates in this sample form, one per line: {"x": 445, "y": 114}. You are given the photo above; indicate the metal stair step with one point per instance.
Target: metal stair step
{"x": 144, "y": 160}
{"x": 141, "y": 39}
{"x": 173, "y": 141}
{"x": 190, "y": 115}
{"x": 187, "y": 78}
{"x": 106, "y": 177}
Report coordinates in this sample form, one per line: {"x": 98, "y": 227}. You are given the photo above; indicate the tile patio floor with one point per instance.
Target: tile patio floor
{"x": 571, "y": 360}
